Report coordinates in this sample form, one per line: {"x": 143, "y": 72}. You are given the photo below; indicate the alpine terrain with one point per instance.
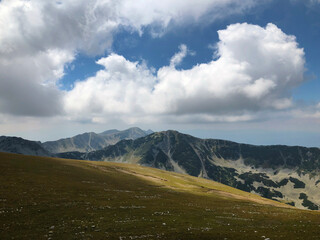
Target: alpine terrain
{"x": 286, "y": 174}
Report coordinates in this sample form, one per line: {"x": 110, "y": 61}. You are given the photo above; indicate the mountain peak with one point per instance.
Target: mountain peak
{"x": 111, "y": 131}
{"x": 91, "y": 141}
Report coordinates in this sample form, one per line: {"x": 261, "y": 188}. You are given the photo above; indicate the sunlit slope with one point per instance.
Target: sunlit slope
{"x": 282, "y": 173}
{"x": 43, "y": 198}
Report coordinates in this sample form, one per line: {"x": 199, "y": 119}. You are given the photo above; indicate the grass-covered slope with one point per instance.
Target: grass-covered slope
{"x": 277, "y": 172}
{"x": 46, "y": 198}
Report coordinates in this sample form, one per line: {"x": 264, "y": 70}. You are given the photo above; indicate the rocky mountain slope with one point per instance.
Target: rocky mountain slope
{"x": 91, "y": 141}
{"x": 22, "y": 146}
{"x": 287, "y": 174}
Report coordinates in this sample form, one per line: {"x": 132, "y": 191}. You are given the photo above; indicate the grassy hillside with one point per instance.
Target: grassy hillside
{"x": 281, "y": 173}
{"x": 47, "y": 198}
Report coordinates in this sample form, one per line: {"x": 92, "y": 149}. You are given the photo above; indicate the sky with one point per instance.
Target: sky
{"x": 246, "y": 71}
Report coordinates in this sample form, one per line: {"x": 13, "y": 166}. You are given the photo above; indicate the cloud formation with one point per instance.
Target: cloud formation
{"x": 38, "y": 38}
{"x": 255, "y": 71}
{"x": 179, "y": 56}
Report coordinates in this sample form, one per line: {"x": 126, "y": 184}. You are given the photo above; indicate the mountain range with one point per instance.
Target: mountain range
{"x": 82, "y": 143}
{"x": 282, "y": 173}
{"x": 91, "y": 141}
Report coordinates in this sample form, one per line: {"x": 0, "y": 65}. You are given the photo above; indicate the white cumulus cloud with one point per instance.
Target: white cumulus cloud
{"x": 256, "y": 70}
{"x": 38, "y": 38}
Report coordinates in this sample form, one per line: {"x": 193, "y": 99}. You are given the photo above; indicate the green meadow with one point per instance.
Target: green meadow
{"x": 48, "y": 198}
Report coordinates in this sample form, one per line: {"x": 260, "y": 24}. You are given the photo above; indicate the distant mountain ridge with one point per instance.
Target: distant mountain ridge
{"x": 22, "y": 146}
{"x": 91, "y": 141}
{"x": 288, "y": 174}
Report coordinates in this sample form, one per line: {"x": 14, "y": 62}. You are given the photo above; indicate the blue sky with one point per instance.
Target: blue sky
{"x": 113, "y": 66}
{"x": 293, "y": 17}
